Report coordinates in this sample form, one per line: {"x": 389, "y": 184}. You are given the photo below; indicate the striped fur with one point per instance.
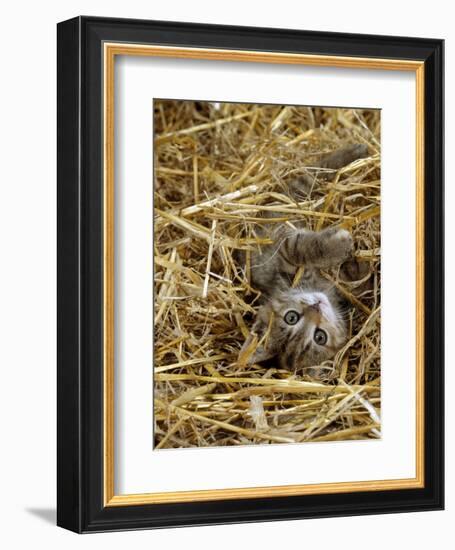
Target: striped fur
{"x": 314, "y": 301}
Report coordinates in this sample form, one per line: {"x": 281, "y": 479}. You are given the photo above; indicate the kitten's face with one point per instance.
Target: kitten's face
{"x": 306, "y": 328}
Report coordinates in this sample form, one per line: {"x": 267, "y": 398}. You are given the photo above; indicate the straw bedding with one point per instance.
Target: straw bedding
{"x": 217, "y": 168}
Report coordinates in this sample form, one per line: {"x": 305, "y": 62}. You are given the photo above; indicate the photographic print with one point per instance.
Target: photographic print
{"x": 223, "y": 245}
{"x": 267, "y": 274}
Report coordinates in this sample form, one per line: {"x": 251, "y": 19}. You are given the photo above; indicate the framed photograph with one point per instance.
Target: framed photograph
{"x": 250, "y": 274}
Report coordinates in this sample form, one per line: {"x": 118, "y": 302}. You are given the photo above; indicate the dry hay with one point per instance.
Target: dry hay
{"x": 217, "y": 167}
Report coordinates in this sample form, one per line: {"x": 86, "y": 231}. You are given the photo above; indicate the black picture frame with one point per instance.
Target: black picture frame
{"x": 80, "y": 474}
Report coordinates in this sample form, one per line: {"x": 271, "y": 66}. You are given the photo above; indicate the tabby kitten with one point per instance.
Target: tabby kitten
{"x": 302, "y": 326}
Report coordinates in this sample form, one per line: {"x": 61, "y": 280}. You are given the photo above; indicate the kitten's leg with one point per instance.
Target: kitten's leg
{"x": 323, "y": 249}
{"x": 335, "y": 160}
{"x": 342, "y": 157}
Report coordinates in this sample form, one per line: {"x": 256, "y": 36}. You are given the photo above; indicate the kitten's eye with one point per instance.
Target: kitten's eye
{"x": 292, "y": 317}
{"x": 320, "y": 336}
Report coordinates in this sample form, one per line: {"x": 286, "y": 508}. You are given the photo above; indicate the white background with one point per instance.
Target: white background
{"x": 27, "y": 295}
{"x": 138, "y": 80}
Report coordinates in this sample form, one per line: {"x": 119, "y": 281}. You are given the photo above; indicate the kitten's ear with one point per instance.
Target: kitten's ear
{"x": 251, "y": 352}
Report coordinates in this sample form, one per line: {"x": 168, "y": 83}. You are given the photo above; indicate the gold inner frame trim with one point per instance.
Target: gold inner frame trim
{"x": 109, "y": 52}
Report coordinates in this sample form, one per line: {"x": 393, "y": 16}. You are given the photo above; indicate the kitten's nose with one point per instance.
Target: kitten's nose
{"x": 313, "y": 312}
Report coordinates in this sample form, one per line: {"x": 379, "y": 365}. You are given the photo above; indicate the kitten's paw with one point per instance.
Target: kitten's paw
{"x": 340, "y": 245}
{"x": 343, "y": 236}
{"x": 356, "y": 151}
